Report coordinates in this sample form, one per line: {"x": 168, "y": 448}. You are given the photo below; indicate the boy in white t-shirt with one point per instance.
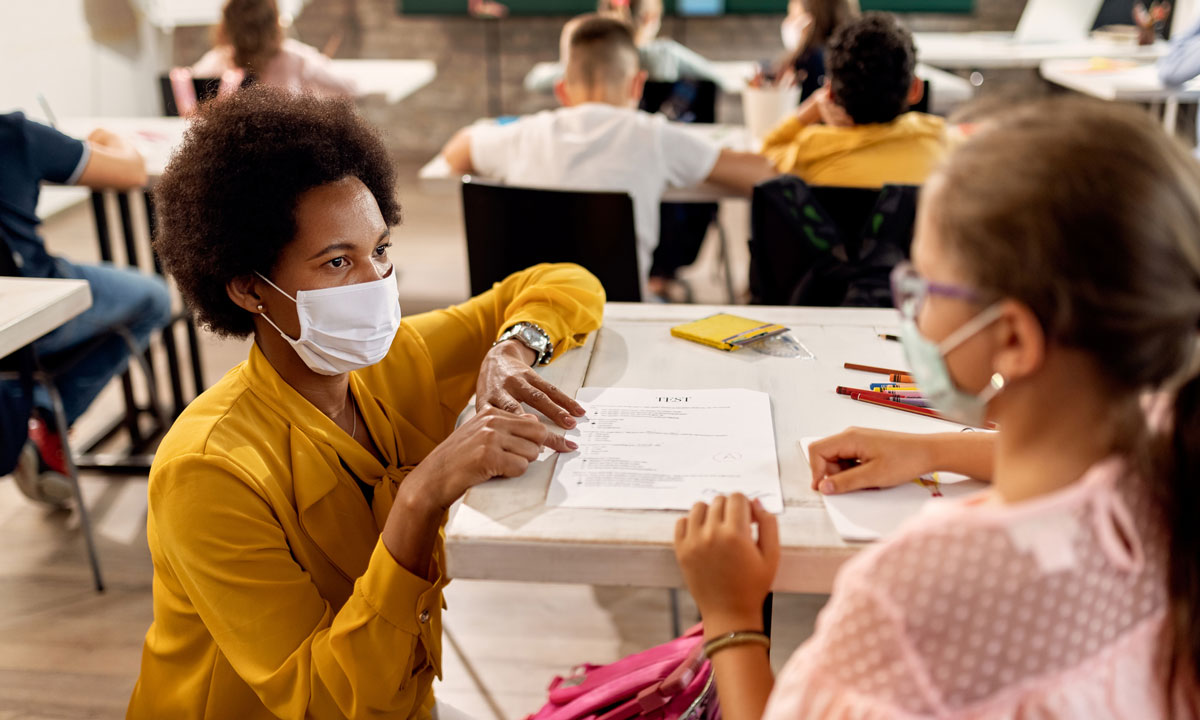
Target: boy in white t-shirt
{"x": 600, "y": 141}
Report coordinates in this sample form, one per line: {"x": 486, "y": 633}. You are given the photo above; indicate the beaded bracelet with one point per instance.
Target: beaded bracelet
{"x": 743, "y": 637}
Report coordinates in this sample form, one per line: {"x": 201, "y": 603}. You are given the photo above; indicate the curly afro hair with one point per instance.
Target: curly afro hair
{"x": 870, "y": 64}
{"x": 226, "y": 203}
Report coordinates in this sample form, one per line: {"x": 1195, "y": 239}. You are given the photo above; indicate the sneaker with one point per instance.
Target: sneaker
{"x": 48, "y": 443}
{"x": 38, "y": 483}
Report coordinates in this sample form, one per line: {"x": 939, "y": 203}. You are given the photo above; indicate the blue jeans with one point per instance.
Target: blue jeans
{"x": 125, "y": 297}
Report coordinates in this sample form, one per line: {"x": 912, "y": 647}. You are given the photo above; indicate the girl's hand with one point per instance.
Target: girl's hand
{"x": 858, "y": 458}
{"x": 727, "y": 571}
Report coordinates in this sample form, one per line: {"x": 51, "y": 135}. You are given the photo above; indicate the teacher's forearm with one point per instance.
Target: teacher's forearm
{"x": 410, "y": 533}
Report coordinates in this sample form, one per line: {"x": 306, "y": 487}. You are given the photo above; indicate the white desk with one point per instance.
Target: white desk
{"x": 989, "y": 50}
{"x": 394, "y": 79}
{"x": 437, "y": 177}
{"x": 1137, "y": 84}
{"x": 155, "y": 137}
{"x": 503, "y": 530}
{"x": 32, "y": 307}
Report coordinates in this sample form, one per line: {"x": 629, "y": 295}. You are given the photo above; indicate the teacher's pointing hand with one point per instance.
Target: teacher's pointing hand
{"x": 506, "y": 380}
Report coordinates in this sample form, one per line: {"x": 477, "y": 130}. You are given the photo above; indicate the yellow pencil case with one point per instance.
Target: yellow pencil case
{"x": 726, "y": 332}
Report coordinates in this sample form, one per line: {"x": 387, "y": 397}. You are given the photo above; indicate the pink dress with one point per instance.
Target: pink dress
{"x": 296, "y": 67}
{"x": 1054, "y": 607}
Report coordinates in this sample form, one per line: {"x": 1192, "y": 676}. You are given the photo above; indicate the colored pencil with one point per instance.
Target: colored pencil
{"x": 893, "y": 338}
{"x": 909, "y": 408}
{"x": 873, "y": 369}
{"x": 902, "y": 378}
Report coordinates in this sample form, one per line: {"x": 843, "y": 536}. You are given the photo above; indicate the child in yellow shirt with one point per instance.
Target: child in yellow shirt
{"x": 855, "y": 131}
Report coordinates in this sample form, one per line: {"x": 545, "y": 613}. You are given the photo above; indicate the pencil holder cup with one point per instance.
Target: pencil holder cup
{"x": 765, "y": 107}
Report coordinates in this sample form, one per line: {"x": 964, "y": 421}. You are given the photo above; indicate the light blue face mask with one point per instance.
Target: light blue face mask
{"x": 928, "y": 362}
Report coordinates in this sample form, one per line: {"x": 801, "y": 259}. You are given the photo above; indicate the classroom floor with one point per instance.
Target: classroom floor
{"x": 67, "y": 652}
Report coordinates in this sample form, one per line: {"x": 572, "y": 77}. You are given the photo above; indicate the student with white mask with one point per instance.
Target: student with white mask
{"x": 805, "y": 31}
{"x": 296, "y": 508}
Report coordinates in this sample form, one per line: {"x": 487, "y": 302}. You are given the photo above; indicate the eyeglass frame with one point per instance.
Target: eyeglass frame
{"x": 906, "y": 272}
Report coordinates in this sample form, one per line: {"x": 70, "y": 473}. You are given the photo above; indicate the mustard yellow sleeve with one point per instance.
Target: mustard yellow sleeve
{"x": 564, "y": 300}
{"x": 221, "y": 540}
{"x": 779, "y": 144}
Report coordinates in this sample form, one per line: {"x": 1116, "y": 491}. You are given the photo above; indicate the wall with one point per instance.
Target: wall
{"x": 88, "y": 57}
{"x": 419, "y": 125}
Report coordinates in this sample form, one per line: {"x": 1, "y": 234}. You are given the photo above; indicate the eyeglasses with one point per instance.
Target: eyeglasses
{"x": 909, "y": 290}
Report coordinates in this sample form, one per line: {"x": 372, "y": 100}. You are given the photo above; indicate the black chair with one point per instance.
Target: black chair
{"x": 682, "y": 101}
{"x": 206, "y": 89}
{"x": 27, "y": 368}
{"x": 512, "y": 228}
{"x": 827, "y": 246}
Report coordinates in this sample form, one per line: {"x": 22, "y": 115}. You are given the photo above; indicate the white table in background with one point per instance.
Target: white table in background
{"x": 503, "y": 530}
{"x": 1137, "y": 84}
{"x": 994, "y": 50}
{"x": 394, "y": 79}
{"x": 436, "y": 176}
{"x": 32, "y": 307}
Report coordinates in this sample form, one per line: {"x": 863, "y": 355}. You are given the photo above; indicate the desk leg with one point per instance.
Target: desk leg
{"x": 1170, "y": 115}
{"x": 104, "y": 239}
{"x": 168, "y": 333}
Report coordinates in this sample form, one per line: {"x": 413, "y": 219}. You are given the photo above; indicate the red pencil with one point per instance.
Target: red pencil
{"x": 859, "y": 396}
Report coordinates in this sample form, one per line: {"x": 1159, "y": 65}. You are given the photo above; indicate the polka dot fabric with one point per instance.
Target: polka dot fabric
{"x": 1051, "y": 608}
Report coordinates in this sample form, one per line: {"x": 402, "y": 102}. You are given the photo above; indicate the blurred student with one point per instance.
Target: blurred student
{"x": 1182, "y": 61}
{"x": 806, "y": 32}
{"x": 250, "y": 43}
{"x": 600, "y": 141}
{"x": 663, "y": 59}
{"x": 856, "y": 130}
{"x": 30, "y": 154}
{"x": 1069, "y": 588}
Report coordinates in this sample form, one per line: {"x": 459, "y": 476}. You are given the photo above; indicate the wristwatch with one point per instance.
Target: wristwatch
{"x": 532, "y": 337}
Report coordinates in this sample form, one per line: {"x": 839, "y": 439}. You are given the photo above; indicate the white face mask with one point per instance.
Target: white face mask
{"x": 344, "y": 328}
{"x": 928, "y": 362}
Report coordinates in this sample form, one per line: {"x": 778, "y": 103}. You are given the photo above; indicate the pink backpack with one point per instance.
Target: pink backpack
{"x": 673, "y": 681}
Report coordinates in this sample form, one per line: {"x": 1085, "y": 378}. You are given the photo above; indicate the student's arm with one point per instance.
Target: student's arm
{"x": 458, "y": 152}
{"x": 887, "y": 459}
{"x": 729, "y": 573}
{"x": 1182, "y": 61}
{"x": 113, "y": 162}
{"x": 317, "y": 75}
{"x": 693, "y": 65}
{"x": 808, "y": 113}
{"x": 741, "y": 171}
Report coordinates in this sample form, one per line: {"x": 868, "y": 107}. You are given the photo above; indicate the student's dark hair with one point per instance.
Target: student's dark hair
{"x": 827, "y": 16}
{"x": 251, "y": 28}
{"x": 226, "y": 203}
{"x": 1088, "y": 214}
{"x": 601, "y": 52}
{"x": 870, "y": 62}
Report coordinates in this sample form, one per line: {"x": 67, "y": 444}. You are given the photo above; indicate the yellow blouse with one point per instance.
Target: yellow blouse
{"x": 904, "y": 151}
{"x": 273, "y": 595}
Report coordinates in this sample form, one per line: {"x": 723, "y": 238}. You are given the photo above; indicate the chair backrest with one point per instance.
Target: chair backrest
{"x": 682, "y": 101}
{"x": 827, "y": 246}
{"x": 206, "y": 89}
{"x": 512, "y": 228}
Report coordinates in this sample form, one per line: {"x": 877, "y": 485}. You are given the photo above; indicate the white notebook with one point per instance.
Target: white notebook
{"x": 866, "y": 515}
